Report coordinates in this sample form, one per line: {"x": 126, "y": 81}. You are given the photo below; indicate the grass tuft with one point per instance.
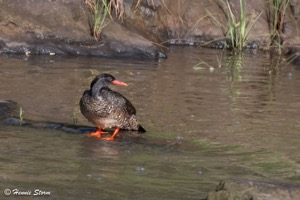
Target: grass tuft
{"x": 117, "y": 6}
{"x": 100, "y": 10}
{"x": 278, "y": 24}
{"x": 239, "y": 28}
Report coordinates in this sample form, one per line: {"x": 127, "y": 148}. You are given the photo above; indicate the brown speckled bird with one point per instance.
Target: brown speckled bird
{"x": 107, "y": 108}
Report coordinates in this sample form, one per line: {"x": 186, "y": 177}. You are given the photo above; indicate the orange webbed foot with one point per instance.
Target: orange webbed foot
{"x": 96, "y": 134}
{"x": 109, "y": 138}
{"x": 113, "y": 136}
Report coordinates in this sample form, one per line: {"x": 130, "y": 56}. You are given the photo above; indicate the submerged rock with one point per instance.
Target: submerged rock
{"x": 15, "y": 122}
{"x": 254, "y": 190}
{"x": 8, "y": 109}
{"x": 229, "y": 191}
{"x": 10, "y": 115}
{"x": 293, "y": 55}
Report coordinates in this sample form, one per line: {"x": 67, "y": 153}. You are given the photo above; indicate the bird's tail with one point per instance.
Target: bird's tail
{"x": 141, "y": 129}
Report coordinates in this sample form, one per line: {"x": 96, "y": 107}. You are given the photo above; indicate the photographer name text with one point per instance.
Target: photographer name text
{"x": 17, "y": 192}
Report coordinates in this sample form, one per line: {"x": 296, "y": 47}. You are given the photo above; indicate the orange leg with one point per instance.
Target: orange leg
{"x": 113, "y": 135}
{"x": 97, "y": 133}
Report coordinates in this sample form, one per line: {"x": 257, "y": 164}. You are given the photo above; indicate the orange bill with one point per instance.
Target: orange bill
{"x": 116, "y": 82}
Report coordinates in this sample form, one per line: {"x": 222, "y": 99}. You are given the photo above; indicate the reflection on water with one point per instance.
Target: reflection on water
{"x": 205, "y": 124}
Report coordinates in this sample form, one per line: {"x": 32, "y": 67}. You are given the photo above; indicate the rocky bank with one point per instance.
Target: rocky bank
{"x": 146, "y": 26}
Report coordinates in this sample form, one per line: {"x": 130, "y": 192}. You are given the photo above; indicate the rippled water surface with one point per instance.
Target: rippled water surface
{"x": 210, "y": 116}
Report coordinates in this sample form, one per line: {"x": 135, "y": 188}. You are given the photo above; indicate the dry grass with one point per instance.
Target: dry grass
{"x": 117, "y": 6}
{"x": 279, "y": 8}
{"x": 99, "y": 10}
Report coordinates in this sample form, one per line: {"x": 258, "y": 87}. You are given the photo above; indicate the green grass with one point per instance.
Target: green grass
{"x": 279, "y": 8}
{"x": 21, "y": 116}
{"x": 99, "y": 10}
{"x": 279, "y": 11}
{"x": 239, "y": 27}
{"x": 236, "y": 31}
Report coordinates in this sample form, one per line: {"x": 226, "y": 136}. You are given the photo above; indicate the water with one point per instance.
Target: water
{"x": 205, "y": 123}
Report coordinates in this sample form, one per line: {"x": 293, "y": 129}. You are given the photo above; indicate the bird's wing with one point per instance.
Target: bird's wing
{"x": 120, "y": 102}
{"x": 116, "y": 102}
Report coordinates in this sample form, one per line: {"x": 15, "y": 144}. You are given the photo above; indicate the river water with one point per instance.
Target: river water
{"x": 210, "y": 116}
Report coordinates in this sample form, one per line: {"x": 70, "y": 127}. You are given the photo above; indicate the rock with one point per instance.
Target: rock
{"x": 32, "y": 28}
{"x": 77, "y": 129}
{"x": 229, "y": 191}
{"x": 293, "y": 55}
{"x": 49, "y": 125}
{"x": 8, "y": 109}
{"x": 125, "y": 43}
{"x": 192, "y": 22}
{"x": 9, "y": 115}
{"x": 15, "y": 122}
{"x": 254, "y": 190}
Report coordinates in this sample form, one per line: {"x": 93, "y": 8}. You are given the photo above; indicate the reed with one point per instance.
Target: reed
{"x": 279, "y": 11}
{"x": 99, "y": 10}
{"x": 21, "y": 116}
{"x": 238, "y": 26}
{"x": 279, "y": 8}
{"x": 74, "y": 115}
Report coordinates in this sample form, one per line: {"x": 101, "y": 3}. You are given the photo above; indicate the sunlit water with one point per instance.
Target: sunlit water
{"x": 209, "y": 117}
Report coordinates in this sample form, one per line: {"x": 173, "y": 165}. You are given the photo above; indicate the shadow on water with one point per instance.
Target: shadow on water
{"x": 231, "y": 117}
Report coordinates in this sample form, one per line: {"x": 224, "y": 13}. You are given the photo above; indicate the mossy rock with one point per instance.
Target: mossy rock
{"x": 229, "y": 191}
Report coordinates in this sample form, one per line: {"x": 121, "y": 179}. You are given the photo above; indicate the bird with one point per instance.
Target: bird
{"x": 107, "y": 108}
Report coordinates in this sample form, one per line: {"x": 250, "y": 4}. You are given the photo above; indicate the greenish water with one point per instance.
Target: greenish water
{"x": 205, "y": 124}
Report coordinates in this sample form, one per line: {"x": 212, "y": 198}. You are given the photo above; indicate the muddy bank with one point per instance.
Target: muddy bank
{"x": 32, "y": 28}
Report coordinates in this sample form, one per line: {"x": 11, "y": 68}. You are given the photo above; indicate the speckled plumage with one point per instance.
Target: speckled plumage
{"x": 107, "y": 108}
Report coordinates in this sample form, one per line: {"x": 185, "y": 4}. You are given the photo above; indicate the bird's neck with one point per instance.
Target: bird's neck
{"x": 96, "y": 88}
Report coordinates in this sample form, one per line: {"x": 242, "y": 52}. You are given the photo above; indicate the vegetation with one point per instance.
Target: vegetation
{"x": 239, "y": 25}
{"x": 21, "y": 116}
{"x": 279, "y": 10}
{"x": 74, "y": 115}
{"x": 99, "y": 10}
{"x": 239, "y": 28}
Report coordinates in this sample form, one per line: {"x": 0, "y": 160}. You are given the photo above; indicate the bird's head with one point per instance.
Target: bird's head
{"x": 107, "y": 79}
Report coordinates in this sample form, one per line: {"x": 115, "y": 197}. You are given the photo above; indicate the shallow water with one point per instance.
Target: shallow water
{"x": 205, "y": 123}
